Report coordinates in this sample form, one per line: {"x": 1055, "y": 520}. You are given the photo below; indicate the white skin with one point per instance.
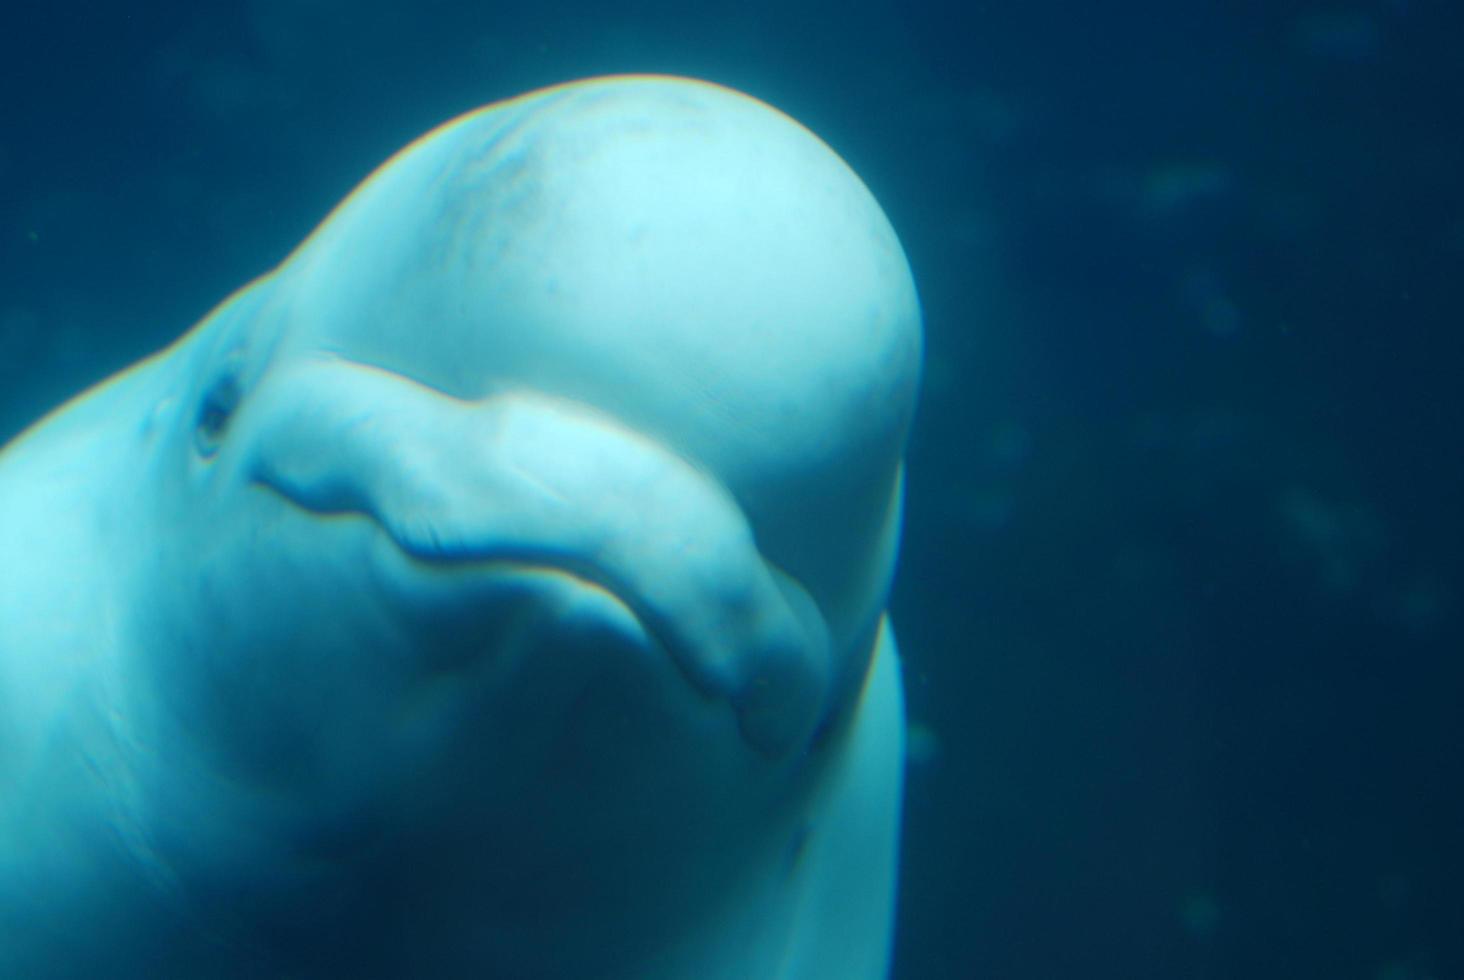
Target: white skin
{"x": 494, "y": 586}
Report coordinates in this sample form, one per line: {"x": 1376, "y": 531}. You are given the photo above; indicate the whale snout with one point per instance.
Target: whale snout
{"x": 521, "y": 481}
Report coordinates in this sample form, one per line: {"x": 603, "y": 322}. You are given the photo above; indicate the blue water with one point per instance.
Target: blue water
{"x": 1181, "y": 590}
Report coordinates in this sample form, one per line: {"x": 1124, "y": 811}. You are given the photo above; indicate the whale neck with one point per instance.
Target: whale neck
{"x": 51, "y": 511}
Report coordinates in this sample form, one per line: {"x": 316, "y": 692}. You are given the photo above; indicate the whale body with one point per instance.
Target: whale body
{"x": 496, "y": 588}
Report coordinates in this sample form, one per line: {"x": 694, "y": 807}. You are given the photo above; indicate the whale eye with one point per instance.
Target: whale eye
{"x": 214, "y": 413}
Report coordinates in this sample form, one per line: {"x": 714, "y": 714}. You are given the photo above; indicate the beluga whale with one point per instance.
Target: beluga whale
{"x": 496, "y": 588}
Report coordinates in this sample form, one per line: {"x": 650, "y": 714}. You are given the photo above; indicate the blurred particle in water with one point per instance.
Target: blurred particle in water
{"x": 1164, "y": 193}
{"x": 1421, "y": 606}
{"x": 1339, "y": 539}
{"x": 1403, "y": 970}
{"x": 1200, "y": 914}
{"x": 1339, "y": 35}
{"x": 1203, "y": 295}
{"x": 1175, "y": 187}
{"x": 1009, "y": 445}
{"x": 922, "y": 745}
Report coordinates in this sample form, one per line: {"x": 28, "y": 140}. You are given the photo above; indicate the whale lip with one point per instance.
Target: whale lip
{"x": 518, "y": 558}
{"x": 778, "y": 704}
{"x": 537, "y": 480}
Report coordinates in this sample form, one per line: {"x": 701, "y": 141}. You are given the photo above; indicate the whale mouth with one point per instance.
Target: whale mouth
{"x": 756, "y": 652}
{"x": 752, "y": 652}
{"x": 532, "y": 483}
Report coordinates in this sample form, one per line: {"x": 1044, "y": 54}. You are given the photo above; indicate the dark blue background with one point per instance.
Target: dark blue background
{"x": 1181, "y": 592}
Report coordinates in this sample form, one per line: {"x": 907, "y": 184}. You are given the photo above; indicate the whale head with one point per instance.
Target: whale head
{"x": 566, "y": 452}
